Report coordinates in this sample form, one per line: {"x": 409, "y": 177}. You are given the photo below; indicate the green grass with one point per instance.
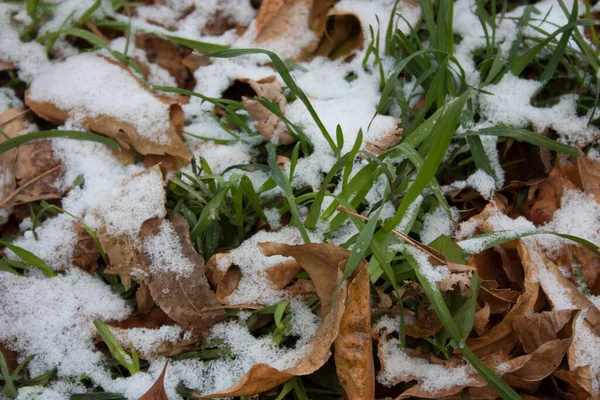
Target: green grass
{"x": 224, "y": 209}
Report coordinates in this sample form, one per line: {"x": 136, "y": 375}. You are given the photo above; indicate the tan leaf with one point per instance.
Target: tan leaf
{"x": 86, "y": 254}
{"x": 12, "y": 121}
{"x": 353, "y": 346}
{"x": 275, "y": 18}
{"x": 263, "y": 377}
{"x": 482, "y": 317}
{"x": 157, "y": 391}
{"x": 188, "y": 300}
{"x": 144, "y": 299}
{"x": 426, "y": 324}
{"x": 589, "y": 171}
{"x": 381, "y": 144}
{"x": 268, "y": 124}
{"x": 166, "y": 54}
{"x": 503, "y": 333}
{"x": 533, "y": 330}
{"x": 343, "y": 35}
{"x": 579, "y": 381}
{"x": 123, "y": 132}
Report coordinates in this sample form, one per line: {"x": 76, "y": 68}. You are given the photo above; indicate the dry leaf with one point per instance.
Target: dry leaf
{"x": 157, "y": 391}
{"x": 579, "y": 381}
{"x": 482, "y": 317}
{"x": 502, "y": 336}
{"x": 353, "y": 346}
{"x": 86, "y": 254}
{"x": 342, "y": 36}
{"x": 381, "y": 144}
{"x": 533, "y": 330}
{"x": 263, "y": 377}
{"x": 144, "y": 299}
{"x": 167, "y": 55}
{"x": 274, "y": 16}
{"x": 123, "y": 132}
{"x": 268, "y": 124}
{"x": 426, "y": 324}
{"x": 188, "y": 300}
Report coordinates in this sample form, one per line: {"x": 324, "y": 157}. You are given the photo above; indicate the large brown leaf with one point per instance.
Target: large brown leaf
{"x": 188, "y": 300}
{"x": 122, "y": 131}
{"x": 353, "y": 346}
{"x": 533, "y": 330}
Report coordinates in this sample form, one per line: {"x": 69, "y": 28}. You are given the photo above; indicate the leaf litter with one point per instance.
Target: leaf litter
{"x": 236, "y": 236}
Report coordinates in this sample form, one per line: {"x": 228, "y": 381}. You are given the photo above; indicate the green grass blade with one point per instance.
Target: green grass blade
{"x": 30, "y": 259}
{"x": 201, "y": 47}
{"x": 526, "y": 136}
{"x": 447, "y": 126}
{"x": 115, "y": 348}
{"x": 77, "y": 135}
{"x": 289, "y": 81}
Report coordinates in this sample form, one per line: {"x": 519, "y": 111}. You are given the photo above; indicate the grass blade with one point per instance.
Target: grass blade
{"x": 30, "y": 259}
{"x": 77, "y": 135}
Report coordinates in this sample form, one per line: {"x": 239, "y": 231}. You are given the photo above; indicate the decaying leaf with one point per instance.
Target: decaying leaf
{"x": 387, "y": 140}
{"x": 262, "y": 377}
{"x": 533, "y": 330}
{"x": 157, "y": 391}
{"x": 578, "y": 381}
{"x": 343, "y": 34}
{"x": 166, "y": 54}
{"x": 275, "y": 18}
{"x": 124, "y": 132}
{"x": 188, "y": 300}
{"x": 353, "y": 348}
{"x": 268, "y": 124}
{"x": 86, "y": 252}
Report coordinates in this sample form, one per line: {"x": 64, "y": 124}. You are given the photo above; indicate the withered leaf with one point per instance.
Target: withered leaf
{"x": 533, "y": 330}
{"x": 122, "y": 131}
{"x": 86, "y": 254}
{"x": 157, "y": 391}
{"x": 268, "y": 124}
{"x": 579, "y": 381}
{"x": 188, "y": 300}
{"x": 589, "y": 171}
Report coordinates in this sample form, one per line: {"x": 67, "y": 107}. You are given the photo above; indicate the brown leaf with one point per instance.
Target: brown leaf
{"x": 268, "y": 124}
{"x": 589, "y": 171}
{"x": 384, "y": 142}
{"x": 426, "y": 324}
{"x": 166, "y": 54}
{"x": 482, "y": 317}
{"x": 188, "y": 300}
{"x": 502, "y": 335}
{"x": 353, "y": 346}
{"x": 343, "y": 35}
{"x": 144, "y": 299}
{"x": 157, "y": 391}
{"x": 263, "y": 377}
{"x": 499, "y": 300}
{"x": 578, "y": 380}
{"x": 533, "y": 330}
{"x": 86, "y": 254}
{"x": 123, "y": 132}
{"x": 274, "y": 16}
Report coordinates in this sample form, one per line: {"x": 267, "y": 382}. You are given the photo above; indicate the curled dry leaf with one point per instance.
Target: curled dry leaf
{"x": 262, "y": 377}
{"x": 482, "y": 317}
{"x": 343, "y": 35}
{"x": 268, "y": 124}
{"x": 157, "y": 391}
{"x": 533, "y": 330}
{"x": 384, "y": 142}
{"x": 86, "y": 254}
{"x": 123, "y": 131}
{"x": 577, "y": 380}
{"x": 353, "y": 346}
{"x": 275, "y": 16}
{"x": 225, "y": 277}
{"x": 589, "y": 172}
{"x": 29, "y": 172}
{"x": 188, "y": 300}
{"x": 502, "y": 336}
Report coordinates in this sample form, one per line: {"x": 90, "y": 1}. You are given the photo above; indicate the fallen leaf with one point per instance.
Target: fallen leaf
{"x": 268, "y": 124}
{"x": 122, "y": 131}
{"x": 275, "y": 16}
{"x": 387, "y": 140}
{"x": 353, "y": 346}
{"x": 533, "y": 330}
{"x": 578, "y": 380}
{"x": 157, "y": 391}
{"x": 188, "y": 300}
{"x": 343, "y": 35}
{"x": 482, "y": 317}
{"x": 86, "y": 254}
{"x": 424, "y": 325}
{"x": 144, "y": 299}
{"x": 262, "y": 377}
{"x": 167, "y": 55}
{"x": 589, "y": 172}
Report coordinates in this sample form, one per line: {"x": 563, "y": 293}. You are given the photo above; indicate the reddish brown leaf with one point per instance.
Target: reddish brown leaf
{"x": 157, "y": 391}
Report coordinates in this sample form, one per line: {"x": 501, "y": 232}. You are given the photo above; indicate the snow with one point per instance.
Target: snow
{"x": 437, "y": 223}
{"x": 87, "y": 86}
{"x": 165, "y": 252}
{"x": 8, "y": 99}
{"x": 147, "y": 340}
{"x": 254, "y": 287}
{"x": 432, "y": 274}
{"x": 398, "y": 365}
{"x": 51, "y": 319}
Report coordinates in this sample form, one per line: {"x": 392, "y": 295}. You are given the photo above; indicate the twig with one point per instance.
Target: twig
{"x": 21, "y": 188}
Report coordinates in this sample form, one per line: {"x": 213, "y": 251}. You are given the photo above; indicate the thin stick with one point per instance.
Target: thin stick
{"x": 433, "y": 253}
{"x": 21, "y": 188}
